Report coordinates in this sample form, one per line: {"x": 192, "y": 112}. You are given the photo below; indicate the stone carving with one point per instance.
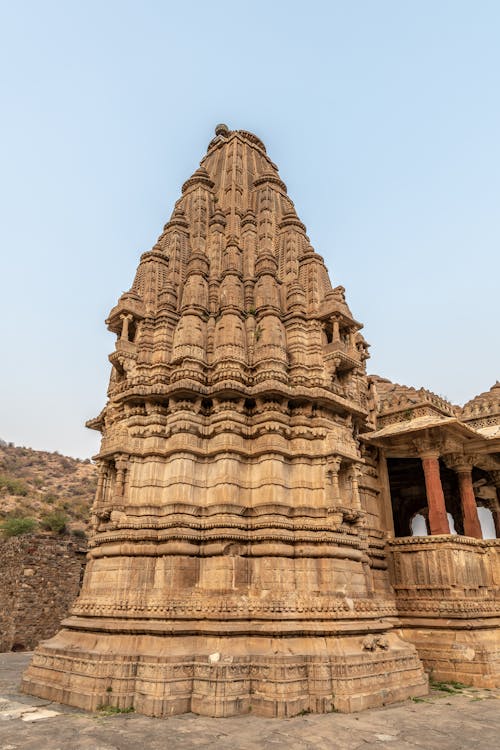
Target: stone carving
{"x": 440, "y": 462}
{"x": 450, "y": 584}
{"x": 372, "y": 643}
{"x": 243, "y": 502}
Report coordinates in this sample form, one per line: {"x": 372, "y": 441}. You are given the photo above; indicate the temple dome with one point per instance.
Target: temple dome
{"x": 484, "y": 404}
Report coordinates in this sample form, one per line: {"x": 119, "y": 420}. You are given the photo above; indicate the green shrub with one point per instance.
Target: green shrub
{"x": 13, "y": 486}
{"x": 110, "y": 710}
{"x": 15, "y": 526}
{"x": 55, "y": 521}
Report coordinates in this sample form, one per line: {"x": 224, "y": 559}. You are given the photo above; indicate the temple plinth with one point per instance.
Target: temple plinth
{"x": 235, "y": 562}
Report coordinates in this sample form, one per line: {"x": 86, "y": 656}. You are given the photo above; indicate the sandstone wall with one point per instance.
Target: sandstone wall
{"x": 39, "y": 579}
{"x": 447, "y": 595}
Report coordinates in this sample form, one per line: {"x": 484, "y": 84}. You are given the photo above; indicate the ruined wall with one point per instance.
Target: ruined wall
{"x": 39, "y": 579}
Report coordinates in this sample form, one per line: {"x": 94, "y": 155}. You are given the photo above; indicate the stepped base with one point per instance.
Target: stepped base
{"x": 225, "y": 676}
{"x": 465, "y": 652}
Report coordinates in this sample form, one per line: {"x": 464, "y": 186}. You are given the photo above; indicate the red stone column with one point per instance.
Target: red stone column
{"x": 495, "y": 475}
{"x": 496, "y": 516}
{"x": 438, "y": 520}
{"x": 472, "y": 527}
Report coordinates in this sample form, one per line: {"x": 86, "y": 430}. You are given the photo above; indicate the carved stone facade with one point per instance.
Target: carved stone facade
{"x": 447, "y": 600}
{"x": 239, "y": 558}
{"x": 443, "y": 469}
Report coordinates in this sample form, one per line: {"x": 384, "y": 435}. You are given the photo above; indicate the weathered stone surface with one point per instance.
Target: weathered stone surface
{"x": 440, "y": 721}
{"x": 40, "y": 579}
{"x": 229, "y": 516}
{"x": 447, "y": 599}
{"x": 443, "y": 466}
{"x": 238, "y": 559}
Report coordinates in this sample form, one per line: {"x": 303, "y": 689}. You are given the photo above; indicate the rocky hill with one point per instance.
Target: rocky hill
{"x": 54, "y": 490}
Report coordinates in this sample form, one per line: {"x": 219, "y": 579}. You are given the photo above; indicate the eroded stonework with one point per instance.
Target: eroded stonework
{"x": 239, "y": 556}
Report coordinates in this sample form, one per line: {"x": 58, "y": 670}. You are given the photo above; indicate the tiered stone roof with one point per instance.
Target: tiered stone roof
{"x": 397, "y": 410}
{"x": 233, "y": 297}
{"x": 483, "y": 412}
{"x": 401, "y": 403}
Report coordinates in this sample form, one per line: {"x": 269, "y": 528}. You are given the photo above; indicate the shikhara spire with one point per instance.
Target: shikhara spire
{"x": 233, "y": 295}
{"x": 239, "y": 551}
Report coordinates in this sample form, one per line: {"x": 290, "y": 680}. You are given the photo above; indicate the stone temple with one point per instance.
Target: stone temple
{"x": 274, "y": 531}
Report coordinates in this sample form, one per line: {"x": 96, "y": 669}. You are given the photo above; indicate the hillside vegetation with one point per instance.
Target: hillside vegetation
{"x": 55, "y": 491}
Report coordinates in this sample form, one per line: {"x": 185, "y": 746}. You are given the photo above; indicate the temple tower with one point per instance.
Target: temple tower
{"x": 235, "y": 560}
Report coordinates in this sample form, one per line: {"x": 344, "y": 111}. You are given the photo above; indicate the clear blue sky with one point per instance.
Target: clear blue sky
{"x": 383, "y": 116}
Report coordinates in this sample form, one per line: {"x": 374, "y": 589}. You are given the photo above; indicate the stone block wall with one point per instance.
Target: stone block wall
{"x": 39, "y": 579}
{"x": 446, "y": 576}
{"x": 448, "y": 598}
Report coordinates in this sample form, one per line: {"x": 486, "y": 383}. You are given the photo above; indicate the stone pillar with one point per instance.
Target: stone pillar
{"x": 335, "y": 330}
{"x": 472, "y": 527}
{"x": 106, "y": 483}
{"x": 438, "y": 520}
{"x": 333, "y": 471}
{"x": 100, "y": 483}
{"x": 352, "y": 338}
{"x": 121, "y": 468}
{"x": 354, "y": 475}
{"x": 462, "y": 466}
{"x": 126, "y": 318}
{"x": 386, "y": 504}
{"x": 120, "y": 481}
{"x": 495, "y": 475}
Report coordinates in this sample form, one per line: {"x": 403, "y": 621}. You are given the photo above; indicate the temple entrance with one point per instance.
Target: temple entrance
{"x": 408, "y": 497}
